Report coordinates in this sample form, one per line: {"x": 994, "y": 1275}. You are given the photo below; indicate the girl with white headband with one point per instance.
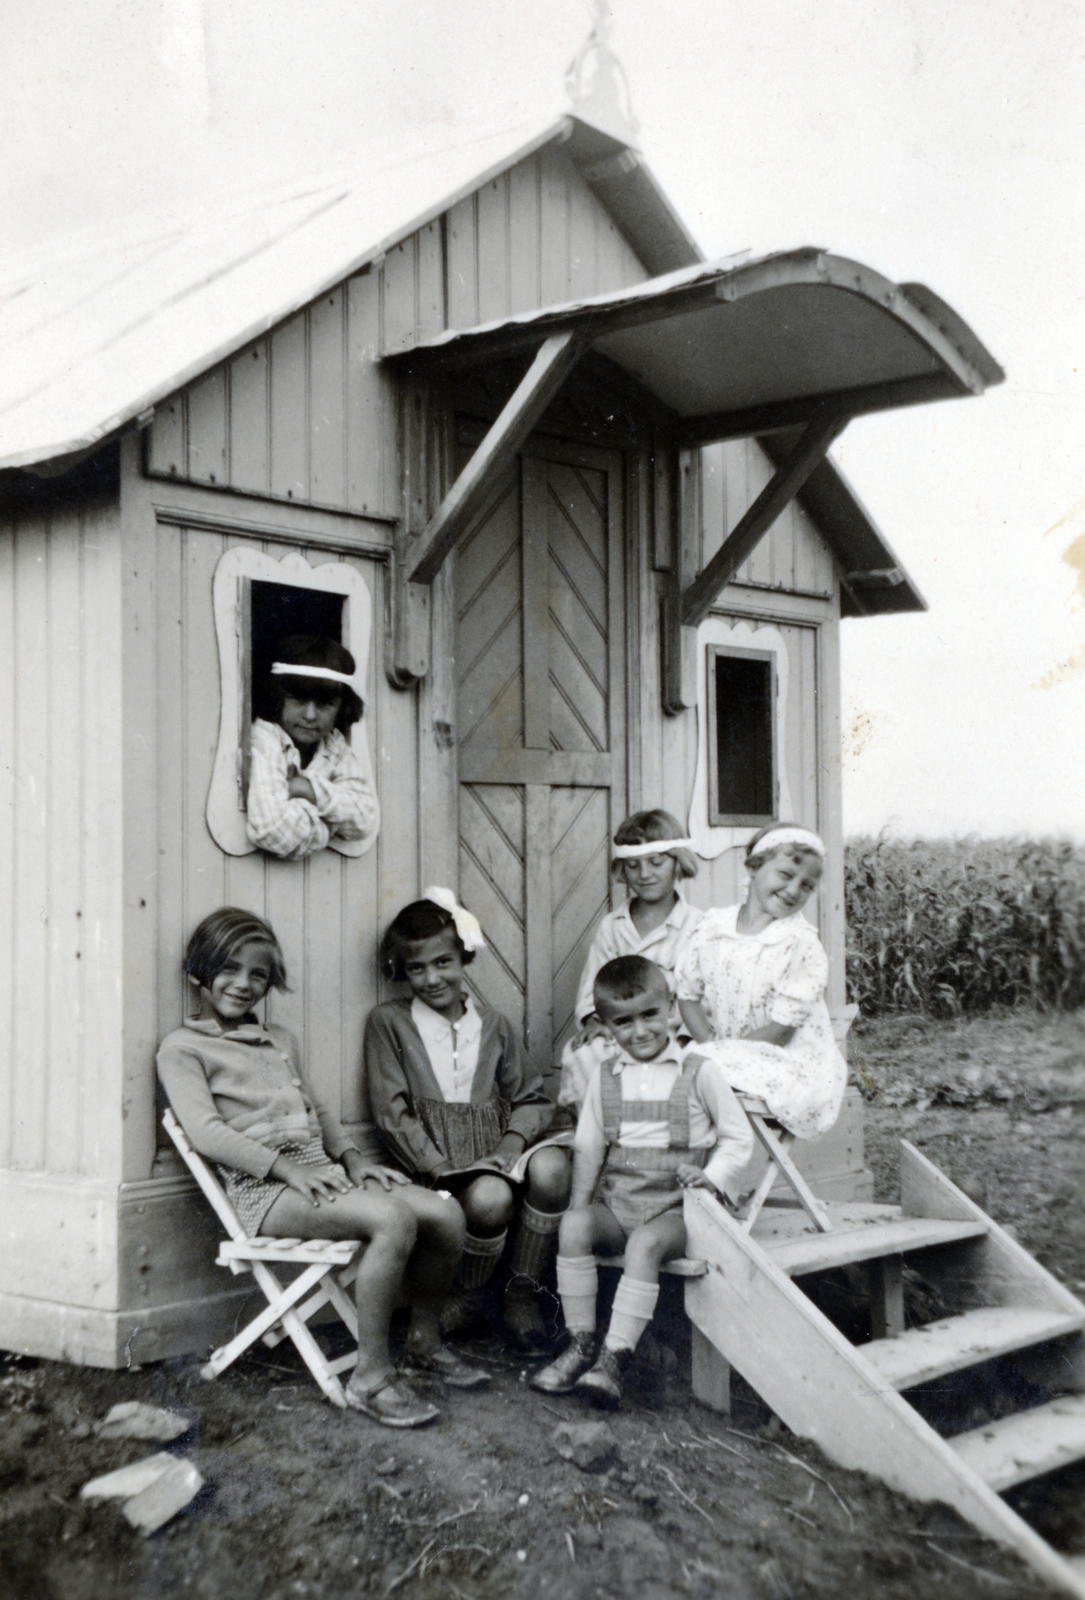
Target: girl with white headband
{"x": 461, "y": 1107}
{"x": 752, "y": 978}
{"x": 305, "y": 784}
{"x": 651, "y": 857}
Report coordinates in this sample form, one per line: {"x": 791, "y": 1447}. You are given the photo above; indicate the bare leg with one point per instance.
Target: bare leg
{"x": 389, "y": 1229}
{"x": 441, "y": 1229}
{"x": 655, "y": 1242}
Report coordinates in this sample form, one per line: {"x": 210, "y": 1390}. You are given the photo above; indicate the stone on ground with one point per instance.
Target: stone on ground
{"x": 591, "y": 1446}
{"x": 161, "y": 1500}
{"x": 127, "y": 1481}
{"x": 132, "y": 1419}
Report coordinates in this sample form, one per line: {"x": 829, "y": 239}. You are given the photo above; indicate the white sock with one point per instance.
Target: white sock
{"x": 578, "y": 1285}
{"x": 634, "y": 1304}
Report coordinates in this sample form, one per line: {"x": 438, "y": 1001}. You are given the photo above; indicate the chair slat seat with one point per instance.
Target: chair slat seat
{"x": 329, "y": 1267}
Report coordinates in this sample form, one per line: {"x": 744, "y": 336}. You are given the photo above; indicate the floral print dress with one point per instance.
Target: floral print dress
{"x": 745, "y": 981}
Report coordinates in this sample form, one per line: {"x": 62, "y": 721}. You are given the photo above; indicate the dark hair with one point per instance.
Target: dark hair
{"x": 755, "y": 857}
{"x": 220, "y": 936}
{"x": 645, "y": 827}
{"x": 422, "y": 919}
{"x": 626, "y": 977}
{"x": 314, "y": 650}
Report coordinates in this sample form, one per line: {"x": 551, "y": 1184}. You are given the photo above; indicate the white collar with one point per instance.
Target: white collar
{"x": 670, "y": 1057}
{"x": 674, "y": 918}
{"x": 725, "y": 920}
{"x": 431, "y": 1022}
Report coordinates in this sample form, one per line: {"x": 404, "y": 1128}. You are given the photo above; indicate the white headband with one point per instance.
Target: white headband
{"x": 654, "y": 847}
{"x": 781, "y": 836}
{"x": 467, "y": 924}
{"x": 287, "y": 669}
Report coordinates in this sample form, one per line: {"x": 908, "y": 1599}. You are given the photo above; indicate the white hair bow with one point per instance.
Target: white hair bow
{"x": 467, "y": 924}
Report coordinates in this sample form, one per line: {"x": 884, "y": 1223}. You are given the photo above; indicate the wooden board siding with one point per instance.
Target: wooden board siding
{"x": 532, "y": 237}
{"x": 307, "y": 414}
{"x": 792, "y": 556}
{"x": 60, "y": 841}
{"x": 328, "y": 911}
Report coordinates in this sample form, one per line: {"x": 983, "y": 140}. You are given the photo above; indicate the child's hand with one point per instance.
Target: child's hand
{"x": 507, "y": 1153}
{"x": 312, "y": 1184}
{"x": 691, "y": 1177}
{"x": 299, "y": 787}
{"x": 358, "y": 1169}
{"x": 591, "y": 1029}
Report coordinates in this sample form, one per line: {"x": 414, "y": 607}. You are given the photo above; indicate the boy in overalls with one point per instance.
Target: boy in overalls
{"x": 657, "y": 1118}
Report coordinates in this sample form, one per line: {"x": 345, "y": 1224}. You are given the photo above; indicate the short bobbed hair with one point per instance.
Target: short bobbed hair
{"x": 756, "y": 856}
{"x": 645, "y": 827}
{"x": 626, "y": 977}
{"x": 422, "y": 919}
{"x": 314, "y": 650}
{"x": 218, "y": 939}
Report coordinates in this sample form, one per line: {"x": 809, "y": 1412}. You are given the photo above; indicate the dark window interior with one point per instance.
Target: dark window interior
{"x": 741, "y": 688}
{"x": 278, "y": 610}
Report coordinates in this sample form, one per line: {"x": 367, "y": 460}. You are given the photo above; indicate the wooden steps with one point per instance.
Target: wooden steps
{"x": 921, "y": 1354}
{"x": 862, "y": 1239}
{"x": 851, "y": 1399}
{"x": 1025, "y": 1446}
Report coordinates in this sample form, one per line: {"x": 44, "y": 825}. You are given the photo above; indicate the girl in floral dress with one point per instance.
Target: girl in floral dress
{"x": 752, "y": 979}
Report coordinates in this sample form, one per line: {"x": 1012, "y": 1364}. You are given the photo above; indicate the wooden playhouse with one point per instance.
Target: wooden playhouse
{"x": 562, "y": 488}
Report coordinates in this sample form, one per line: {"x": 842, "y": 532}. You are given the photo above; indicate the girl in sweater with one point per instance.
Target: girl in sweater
{"x": 290, "y": 1169}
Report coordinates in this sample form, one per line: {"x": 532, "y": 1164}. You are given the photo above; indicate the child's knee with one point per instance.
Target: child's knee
{"x": 395, "y": 1226}
{"x": 487, "y": 1205}
{"x": 548, "y": 1179}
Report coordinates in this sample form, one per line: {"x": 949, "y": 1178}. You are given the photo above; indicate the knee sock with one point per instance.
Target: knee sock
{"x": 634, "y": 1304}
{"x": 578, "y": 1285}
{"x": 480, "y": 1257}
{"x": 533, "y": 1243}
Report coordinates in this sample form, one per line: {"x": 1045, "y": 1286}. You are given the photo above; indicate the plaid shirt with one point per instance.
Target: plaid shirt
{"x": 346, "y": 806}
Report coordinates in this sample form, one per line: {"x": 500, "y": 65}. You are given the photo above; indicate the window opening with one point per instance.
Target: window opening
{"x": 741, "y": 716}
{"x": 276, "y": 612}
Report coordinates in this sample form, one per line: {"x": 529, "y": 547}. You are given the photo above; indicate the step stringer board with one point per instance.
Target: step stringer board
{"x": 823, "y": 1389}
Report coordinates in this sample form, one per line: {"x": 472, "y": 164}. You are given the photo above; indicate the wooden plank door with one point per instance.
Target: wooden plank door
{"x": 541, "y": 712}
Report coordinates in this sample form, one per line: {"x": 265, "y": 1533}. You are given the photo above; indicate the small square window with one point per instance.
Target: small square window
{"x": 742, "y": 737}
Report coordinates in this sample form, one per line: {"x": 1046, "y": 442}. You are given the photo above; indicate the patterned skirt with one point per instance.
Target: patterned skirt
{"x": 463, "y": 1132}
{"x": 252, "y": 1198}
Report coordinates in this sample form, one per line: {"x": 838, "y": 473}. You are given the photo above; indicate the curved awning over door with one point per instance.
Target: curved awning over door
{"x": 735, "y": 348}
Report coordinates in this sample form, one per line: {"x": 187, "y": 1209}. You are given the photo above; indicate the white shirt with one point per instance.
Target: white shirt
{"x": 452, "y": 1047}
{"x": 716, "y": 1120}
{"x": 617, "y": 935}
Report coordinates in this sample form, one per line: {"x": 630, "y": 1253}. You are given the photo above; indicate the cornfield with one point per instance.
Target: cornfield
{"x": 949, "y": 927}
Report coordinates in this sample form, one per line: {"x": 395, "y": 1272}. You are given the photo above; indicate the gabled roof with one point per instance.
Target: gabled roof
{"x": 96, "y": 328}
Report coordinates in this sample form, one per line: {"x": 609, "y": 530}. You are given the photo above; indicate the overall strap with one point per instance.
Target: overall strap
{"x": 679, "y": 1106}
{"x": 610, "y": 1095}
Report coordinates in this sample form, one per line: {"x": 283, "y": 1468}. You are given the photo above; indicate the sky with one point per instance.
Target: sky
{"x": 935, "y": 142}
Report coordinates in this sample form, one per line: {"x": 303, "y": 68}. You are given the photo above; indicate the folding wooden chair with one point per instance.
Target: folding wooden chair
{"x": 776, "y": 1143}
{"x": 328, "y": 1269}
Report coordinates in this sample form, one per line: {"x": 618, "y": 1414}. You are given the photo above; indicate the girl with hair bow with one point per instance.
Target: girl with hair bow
{"x": 462, "y": 1108}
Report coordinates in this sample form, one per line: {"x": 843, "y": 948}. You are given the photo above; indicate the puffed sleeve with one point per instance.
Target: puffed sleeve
{"x": 802, "y": 983}
{"x": 520, "y": 1083}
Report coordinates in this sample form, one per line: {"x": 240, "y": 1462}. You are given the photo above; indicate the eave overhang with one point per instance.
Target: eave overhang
{"x": 737, "y": 348}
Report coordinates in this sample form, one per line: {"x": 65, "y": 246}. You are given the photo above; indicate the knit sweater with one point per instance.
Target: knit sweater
{"x": 240, "y": 1094}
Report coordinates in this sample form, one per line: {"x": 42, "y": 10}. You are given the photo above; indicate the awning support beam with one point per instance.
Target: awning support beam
{"x": 792, "y": 473}
{"x": 552, "y": 364}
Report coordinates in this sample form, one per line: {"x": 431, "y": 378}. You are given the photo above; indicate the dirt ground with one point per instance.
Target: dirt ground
{"x": 303, "y": 1501}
